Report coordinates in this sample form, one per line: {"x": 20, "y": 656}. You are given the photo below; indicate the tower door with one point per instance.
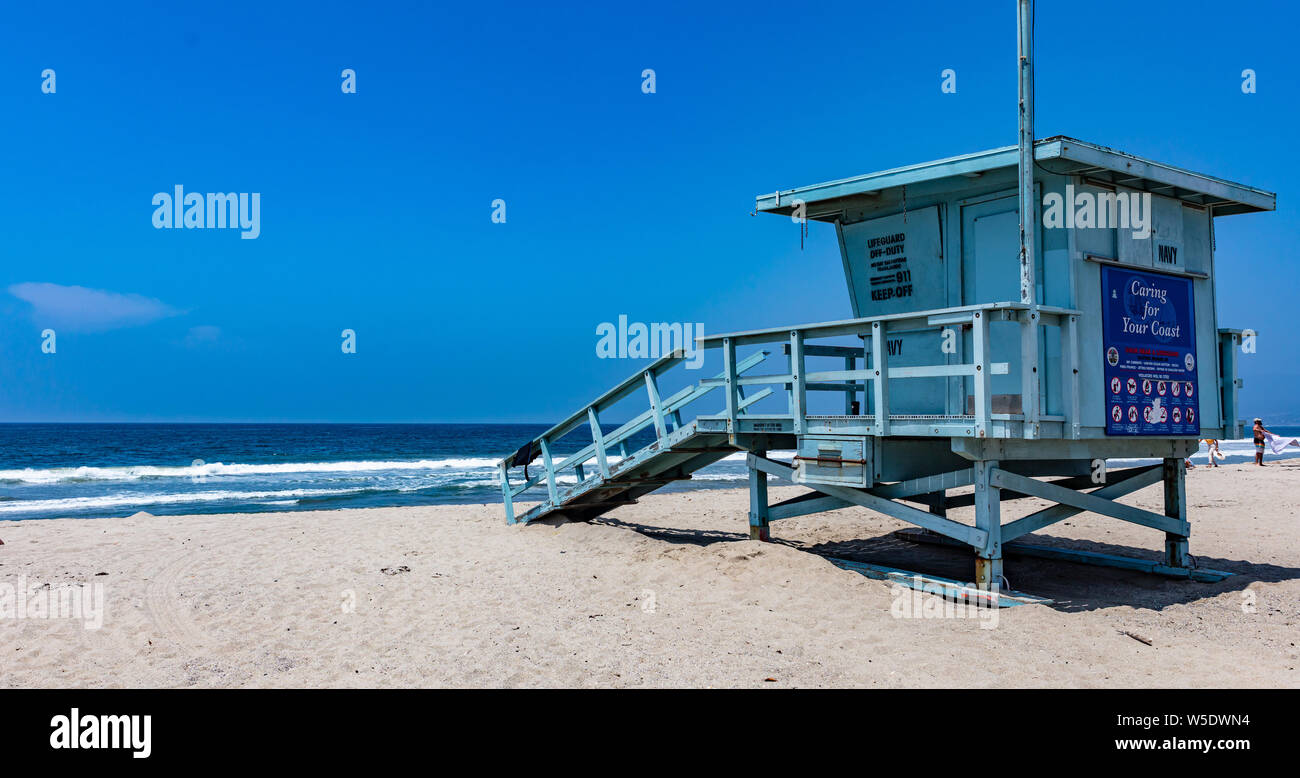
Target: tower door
{"x": 990, "y": 273}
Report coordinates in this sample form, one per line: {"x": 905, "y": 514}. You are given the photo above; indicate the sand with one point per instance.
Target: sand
{"x": 669, "y": 592}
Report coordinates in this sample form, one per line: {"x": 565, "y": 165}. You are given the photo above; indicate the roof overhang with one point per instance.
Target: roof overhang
{"x": 1058, "y": 154}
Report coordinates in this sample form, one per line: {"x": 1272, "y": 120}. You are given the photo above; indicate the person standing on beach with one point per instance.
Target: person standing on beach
{"x": 1212, "y": 449}
{"x": 1261, "y": 435}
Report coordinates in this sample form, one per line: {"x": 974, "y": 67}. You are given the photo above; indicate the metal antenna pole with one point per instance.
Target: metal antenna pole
{"x": 1025, "y": 18}
{"x": 1029, "y": 384}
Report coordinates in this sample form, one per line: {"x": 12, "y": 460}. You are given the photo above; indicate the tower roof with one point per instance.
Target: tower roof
{"x": 1058, "y": 154}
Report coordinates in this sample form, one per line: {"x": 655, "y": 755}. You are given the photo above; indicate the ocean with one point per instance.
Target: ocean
{"x": 104, "y": 470}
{"x": 100, "y": 470}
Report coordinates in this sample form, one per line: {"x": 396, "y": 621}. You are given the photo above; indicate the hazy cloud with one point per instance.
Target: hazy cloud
{"x": 202, "y": 335}
{"x": 77, "y": 308}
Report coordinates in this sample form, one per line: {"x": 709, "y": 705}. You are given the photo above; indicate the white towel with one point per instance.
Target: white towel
{"x": 1277, "y": 442}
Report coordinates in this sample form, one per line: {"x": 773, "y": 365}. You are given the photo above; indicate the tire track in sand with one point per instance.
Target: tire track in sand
{"x": 162, "y": 601}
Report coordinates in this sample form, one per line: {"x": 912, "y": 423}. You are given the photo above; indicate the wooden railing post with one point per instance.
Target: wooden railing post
{"x": 982, "y": 379}
{"x": 849, "y": 394}
{"x": 1030, "y": 375}
{"x": 729, "y": 383}
{"x": 798, "y": 386}
{"x": 598, "y": 438}
{"x": 880, "y": 383}
{"x": 1070, "y": 374}
{"x": 656, "y": 405}
{"x": 789, "y": 388}
{"x": 550, "y": 471}
{"x": 505, "y": 491}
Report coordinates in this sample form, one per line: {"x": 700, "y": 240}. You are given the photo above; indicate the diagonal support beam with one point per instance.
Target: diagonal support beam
{"x": 969, "y": 535}
{"x": 813, "y": 502}
{"x": 926, "y": 484}
{"x": 1130, "y": 481}
{"x": 1088, "y": 502}
{"x": 805, "y": 505}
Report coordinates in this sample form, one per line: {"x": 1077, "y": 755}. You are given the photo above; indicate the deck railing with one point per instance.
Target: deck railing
{"x": 661, "y": 412}
{"x": 980, "y": 368}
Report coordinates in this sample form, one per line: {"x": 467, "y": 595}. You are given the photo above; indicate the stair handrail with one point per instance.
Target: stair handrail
{"x": 658, "y": 413}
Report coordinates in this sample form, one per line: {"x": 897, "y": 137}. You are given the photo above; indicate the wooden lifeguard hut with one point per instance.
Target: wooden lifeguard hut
{"x": 1011, "y": 355}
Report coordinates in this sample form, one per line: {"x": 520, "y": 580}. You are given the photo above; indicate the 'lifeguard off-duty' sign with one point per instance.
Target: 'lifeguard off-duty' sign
{"x": 895, "y": 263}
{"x": 1149, "y": 340}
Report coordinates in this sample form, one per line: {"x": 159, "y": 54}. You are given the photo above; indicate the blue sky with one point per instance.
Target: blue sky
{"x": 376, "y": 206}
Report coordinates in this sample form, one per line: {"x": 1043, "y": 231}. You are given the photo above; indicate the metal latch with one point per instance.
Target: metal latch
{"x": 823, "y": 458}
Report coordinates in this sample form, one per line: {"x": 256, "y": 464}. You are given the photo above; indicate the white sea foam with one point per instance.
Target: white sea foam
{"x": 71, "y": 504}
{"x": 217, "y": 469}
{"x": 137, "y": 472}
{"x": 1234, "y": 452}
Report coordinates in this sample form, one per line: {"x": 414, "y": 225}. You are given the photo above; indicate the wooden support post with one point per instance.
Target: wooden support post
{"x": 880, "y": 381}
{"x": 759, "y": 521}
{"x": 938, "y": 503}
{"x": 550, "y": 472}
{"x": 1175, "y": 472}
{"x": 798, "y": 387}
{"x": 988, "y": 517}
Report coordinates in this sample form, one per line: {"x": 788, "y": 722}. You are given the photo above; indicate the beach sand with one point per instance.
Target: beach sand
{"x": 669, "y": 592}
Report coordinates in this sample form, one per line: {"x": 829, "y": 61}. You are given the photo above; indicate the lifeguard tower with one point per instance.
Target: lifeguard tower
{"x": 1012, "y": 356}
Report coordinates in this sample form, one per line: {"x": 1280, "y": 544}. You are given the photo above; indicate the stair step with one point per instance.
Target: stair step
{"x": 708, "y": 450}
{"x": 601, "y": 503}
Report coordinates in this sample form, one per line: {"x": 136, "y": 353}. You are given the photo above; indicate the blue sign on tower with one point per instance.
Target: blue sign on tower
{"x": 1149, "y": 340}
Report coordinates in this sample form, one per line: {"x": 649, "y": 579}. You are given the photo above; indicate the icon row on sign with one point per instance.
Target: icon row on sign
{"x": 1153, "y": 414}
{"x": 1177, "y": 388}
